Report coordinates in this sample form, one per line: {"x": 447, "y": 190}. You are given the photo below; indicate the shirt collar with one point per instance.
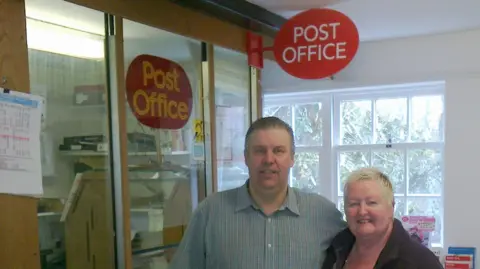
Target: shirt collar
{"x": 244, "y": 200}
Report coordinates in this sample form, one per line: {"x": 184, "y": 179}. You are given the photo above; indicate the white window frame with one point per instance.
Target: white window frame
{"x": 405, "y": 91}
{"x": 330, "y": 149}
{"x": 324, "y": 151}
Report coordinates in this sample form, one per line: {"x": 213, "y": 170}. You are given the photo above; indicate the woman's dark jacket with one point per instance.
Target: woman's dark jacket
{"x": 400, "y": 252}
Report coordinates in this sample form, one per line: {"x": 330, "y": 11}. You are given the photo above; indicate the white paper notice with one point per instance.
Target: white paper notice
{"x": 20, "y": 159}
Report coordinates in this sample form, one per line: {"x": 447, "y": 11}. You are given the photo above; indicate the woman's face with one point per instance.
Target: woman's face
{"x": 368, "y": 211}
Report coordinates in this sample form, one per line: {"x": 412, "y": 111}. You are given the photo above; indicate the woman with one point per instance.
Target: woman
{"x": 374, "y": 238}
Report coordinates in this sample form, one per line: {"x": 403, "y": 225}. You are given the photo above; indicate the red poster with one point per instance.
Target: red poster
{"x": 159, "y": 92}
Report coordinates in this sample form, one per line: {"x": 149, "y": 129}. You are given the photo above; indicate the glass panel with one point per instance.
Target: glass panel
{"x": 425, "y": 171}
{"x": 282, "y": 112}
{"x": 308, "y": 124}
{"x": 306, "y": 172}
{"x": 166, "y": 182}
{"x": 356, "y": 122}
{"x": 348, "y": 162}
{"x": 67, "y": 68}
{"x": 341, "y": 207}
{"x": 428, "y": 207}
{"x": 232, "y": 92}
{"x": 399, "y": 207}
{"x": 391, "y": 120}
{"x": 427, "y": 113}
{"x": 392, "y": 163}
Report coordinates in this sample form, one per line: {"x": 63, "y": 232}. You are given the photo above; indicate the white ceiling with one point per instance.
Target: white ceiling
{"x": 385, "y": 19}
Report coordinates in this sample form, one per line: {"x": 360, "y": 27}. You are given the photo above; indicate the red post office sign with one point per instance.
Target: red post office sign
{"x": 159, "y": 92}
{"x": 316, "y": 43}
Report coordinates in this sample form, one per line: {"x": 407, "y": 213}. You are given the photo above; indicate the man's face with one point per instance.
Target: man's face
{"x": 269, "y": 158}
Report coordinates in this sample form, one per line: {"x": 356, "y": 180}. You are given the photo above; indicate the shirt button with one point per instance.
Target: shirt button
{"x": 269, "y": 245}
{"x": 269, "y": 220}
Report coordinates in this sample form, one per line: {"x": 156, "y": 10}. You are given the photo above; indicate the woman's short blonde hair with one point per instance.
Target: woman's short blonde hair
{"x": 371, "y": 173}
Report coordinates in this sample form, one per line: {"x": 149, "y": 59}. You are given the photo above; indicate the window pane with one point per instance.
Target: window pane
{"x": 427, "y": 207}
{"x": 356, "y": 122}
{"x": 425, "y": 171}
{"x": 67, "y": 67}
{"x": 166, "y": 183}
{"x": 427, "y": 112}
{"x": 340, "y": 206}
{"x": 282, "y": 112}
{"x": 391, "y": 120}
{"x": 308, "y": 124}
{"x": 306, "y": 172}
{"x": 349, "y": 162}
{"x": 392, "y": 163}
{"x": 230, "y": 134}
{"x": 399, "y": 207}
{"x": 232, "y": 89}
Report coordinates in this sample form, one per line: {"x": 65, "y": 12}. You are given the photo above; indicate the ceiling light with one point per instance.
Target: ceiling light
{"x": 53, "y": 38}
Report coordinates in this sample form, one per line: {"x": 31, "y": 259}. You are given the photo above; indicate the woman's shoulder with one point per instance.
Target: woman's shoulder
{"x": 410, "y": 252}
{"x": 416, "y": 255}
{"x": 339, "y": 247}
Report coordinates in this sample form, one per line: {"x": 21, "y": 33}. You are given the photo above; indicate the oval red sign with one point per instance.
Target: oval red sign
{"x": 159, "y": 92}
{"x": 316, "y": 43}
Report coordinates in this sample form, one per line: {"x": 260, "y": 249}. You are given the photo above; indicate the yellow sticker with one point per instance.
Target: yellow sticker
{"x": 199, "y": 134}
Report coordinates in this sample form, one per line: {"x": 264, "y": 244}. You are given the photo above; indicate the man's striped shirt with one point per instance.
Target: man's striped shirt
{"x": 228, "y": 231}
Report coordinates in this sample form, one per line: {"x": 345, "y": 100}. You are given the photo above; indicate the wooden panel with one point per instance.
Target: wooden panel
{"x": 259, "y": 94}
{"x": 171, "y": 17}
{"x": 13, "y": 45}
{"x": 210, "y": 91}
{"x": 88, "y": 239}
{"x": 18, "y": 222}
{"x": 122, "y": 119}
{"x": 19, "y": 233}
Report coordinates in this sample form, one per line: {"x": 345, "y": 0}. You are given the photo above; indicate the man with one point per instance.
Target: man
{"x": 265, "y": 224}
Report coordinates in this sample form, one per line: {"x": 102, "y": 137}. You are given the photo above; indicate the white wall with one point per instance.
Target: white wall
{"x": 392, "y": 61}
{"x": 452, "y": 57}
{"x": 462, "y": 187}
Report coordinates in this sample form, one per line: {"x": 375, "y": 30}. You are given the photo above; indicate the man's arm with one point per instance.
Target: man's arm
{"x": 333, "y": 216}
{"x": 191, "y": 252}
{"x": 338, "y": 218}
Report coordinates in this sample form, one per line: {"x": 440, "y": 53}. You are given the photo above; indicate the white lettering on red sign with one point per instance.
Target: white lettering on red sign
{"x": 316, "y": 43}
{"x": 312, "y": 34}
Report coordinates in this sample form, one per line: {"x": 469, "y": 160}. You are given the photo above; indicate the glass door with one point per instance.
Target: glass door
{"x": 166, "y": 167}
{"x": 233, "y": 110}
{"x": 66, "y": 55}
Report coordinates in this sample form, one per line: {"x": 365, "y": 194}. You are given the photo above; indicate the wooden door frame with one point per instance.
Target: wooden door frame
{"x": 164, "y": 15}
{"x": 19, "y": 222}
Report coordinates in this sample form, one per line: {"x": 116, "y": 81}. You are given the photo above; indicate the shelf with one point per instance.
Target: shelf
{"x": 136, "y": 210}
{"x": 146, "y": 210}
{"x": 97, "y": 106}
{"x": 47, "y": 214}
{"x": 89, "y": 153}
{"x": 153, "y": 250}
